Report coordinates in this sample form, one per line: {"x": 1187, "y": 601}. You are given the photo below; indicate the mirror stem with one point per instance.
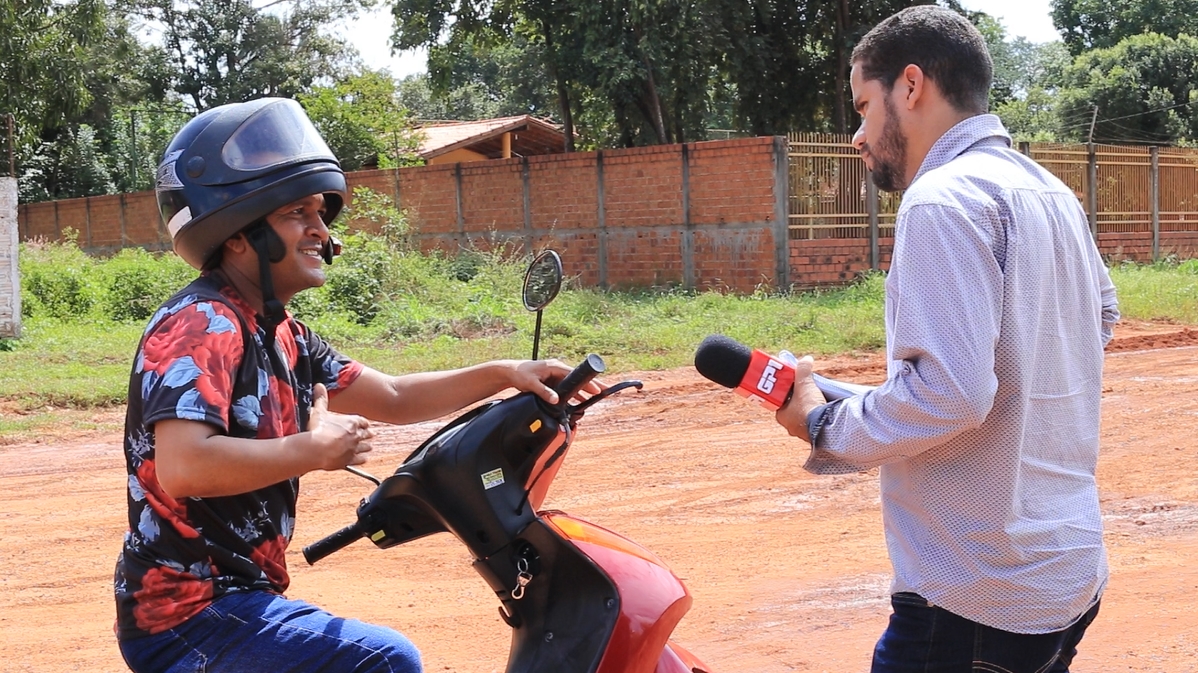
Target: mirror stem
{"x": 536, "y": 336}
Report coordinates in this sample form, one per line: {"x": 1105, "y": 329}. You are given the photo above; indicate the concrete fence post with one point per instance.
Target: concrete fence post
{"x": 461, "y": 209}
{"x": 601, "y": 219}
{"x": 1155, "y": 179}
{"x": 10, "y": 278}
{"x": 782, "y": 211}
{"x": 526, "y": 196}
{"x": 688, "y": 232}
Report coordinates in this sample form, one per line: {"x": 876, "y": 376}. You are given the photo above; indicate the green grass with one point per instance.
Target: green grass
{"x": 1163, "y": 292}
{"x": 444, "y": 315}
{"x": 57, "y": 364}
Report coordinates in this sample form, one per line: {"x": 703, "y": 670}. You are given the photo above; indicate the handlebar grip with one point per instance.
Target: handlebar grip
{"x": 332, "y": 543}
{"x": 590, "y": 367}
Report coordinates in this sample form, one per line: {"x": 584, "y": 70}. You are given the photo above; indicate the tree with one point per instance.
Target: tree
{"x": 224, "y": 51}
{"x": 634, "y": 72}
{"x": 1145, "y": 88}
{"x": 82, "y": 68}
{"x": 1027, "y": 79}
{"x": 1035, "y": 78}
{"x": 773, "y": 78}
{"x": 363, "y": 122}
{"x": 467, "y": 102}
{"x": 1101, "y": 24}
{"x": 42, "y": 65}
{"x": 479, "y": 78}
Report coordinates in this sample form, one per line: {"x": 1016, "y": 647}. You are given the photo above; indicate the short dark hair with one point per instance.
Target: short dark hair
{"x": 945, "y": 45}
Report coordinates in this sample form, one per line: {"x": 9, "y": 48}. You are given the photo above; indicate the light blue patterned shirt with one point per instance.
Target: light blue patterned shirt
{"x": 998, "y": 307}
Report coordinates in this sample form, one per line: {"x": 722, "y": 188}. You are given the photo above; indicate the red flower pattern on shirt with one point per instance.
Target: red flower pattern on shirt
{"x": 270, "y": 556}
{"x": 168, "y": 597}
{"x": 278, "y": 411}
{"x": 171, "y": 510}
{"x": 214, "y": 353}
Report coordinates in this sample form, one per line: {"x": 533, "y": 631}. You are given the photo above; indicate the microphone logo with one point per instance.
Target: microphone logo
{"x": 769, "y": 377}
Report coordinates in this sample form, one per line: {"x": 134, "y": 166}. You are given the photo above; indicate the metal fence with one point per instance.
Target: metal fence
{"x": 1124, "y": 189}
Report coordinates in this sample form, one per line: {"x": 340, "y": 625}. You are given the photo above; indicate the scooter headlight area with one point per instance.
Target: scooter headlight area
{"x": 578, "y": 597}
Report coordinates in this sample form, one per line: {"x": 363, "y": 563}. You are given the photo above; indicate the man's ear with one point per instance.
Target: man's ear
{"x": 913, "y": 83}
{"x": 236, "y": 244}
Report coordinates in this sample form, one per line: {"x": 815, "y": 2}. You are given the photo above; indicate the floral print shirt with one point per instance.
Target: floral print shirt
{"x": 203, "y": 358}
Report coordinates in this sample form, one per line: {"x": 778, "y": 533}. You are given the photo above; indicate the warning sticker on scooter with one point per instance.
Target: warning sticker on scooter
{"x": 493, "y": 478}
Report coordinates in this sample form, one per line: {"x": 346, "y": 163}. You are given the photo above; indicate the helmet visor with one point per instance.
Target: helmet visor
{"x": 277, "y": 134}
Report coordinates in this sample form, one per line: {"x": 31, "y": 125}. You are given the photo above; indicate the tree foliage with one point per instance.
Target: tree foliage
{"x": 634, "y": 72}
{"x": 1145, "y": 89}
{"x": 1102, "y": 24}
{"x": 477, "y": 78}
{"x": 223, "y": 51}
{"x": 363, "y": 122}
{"x": 66, "y": 101}
{"x": 43, "y": 48}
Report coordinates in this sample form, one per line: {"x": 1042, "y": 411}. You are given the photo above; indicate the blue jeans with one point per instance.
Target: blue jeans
{"x": 251, "y": 631}
{"x": 923, "y": 638}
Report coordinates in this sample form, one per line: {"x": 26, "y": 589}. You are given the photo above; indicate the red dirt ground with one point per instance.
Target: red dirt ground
{"x": 788, "y": 570}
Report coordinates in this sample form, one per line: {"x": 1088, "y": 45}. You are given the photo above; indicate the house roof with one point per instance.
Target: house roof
{"x": 530, "y": 136}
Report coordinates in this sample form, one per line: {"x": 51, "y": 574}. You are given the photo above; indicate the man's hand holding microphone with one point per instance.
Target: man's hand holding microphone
{"x": 783, "y": 384}
{"x": 804, "y": 398}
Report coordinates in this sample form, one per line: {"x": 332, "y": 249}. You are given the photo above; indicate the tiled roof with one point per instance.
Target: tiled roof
{"x": 530, "y": 136}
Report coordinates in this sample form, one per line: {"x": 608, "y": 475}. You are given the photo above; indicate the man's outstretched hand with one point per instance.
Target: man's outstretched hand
{"x": 338, "y": 439}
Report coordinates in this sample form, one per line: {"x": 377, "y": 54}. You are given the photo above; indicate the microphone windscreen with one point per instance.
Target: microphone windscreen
{"x": 723, "y": 360}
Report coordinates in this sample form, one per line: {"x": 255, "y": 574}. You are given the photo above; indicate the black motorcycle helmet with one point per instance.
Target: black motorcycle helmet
{"x": 231, "y": 166}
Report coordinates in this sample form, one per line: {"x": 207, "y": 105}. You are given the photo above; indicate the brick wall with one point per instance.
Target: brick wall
{"x": 701, "y": 215}
{"x": 1138, "y": 245}
{"x": 704, "y": 215}
{"x": 825, "y": 261}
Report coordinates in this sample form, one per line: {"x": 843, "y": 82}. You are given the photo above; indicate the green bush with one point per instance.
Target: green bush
{"x": 136, "y": 282}
{"x": 356, "y": 281}
{"x": 56, "y": 279}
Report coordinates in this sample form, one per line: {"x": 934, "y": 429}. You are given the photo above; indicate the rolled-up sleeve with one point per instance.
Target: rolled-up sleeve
{"x": 1110, "y": 307}
{"x": 944, "y": 313}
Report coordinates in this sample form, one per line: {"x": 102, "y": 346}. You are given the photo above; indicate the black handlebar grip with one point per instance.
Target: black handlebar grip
{"x": 590, "y": 367}
{"x": 335, "y": 542}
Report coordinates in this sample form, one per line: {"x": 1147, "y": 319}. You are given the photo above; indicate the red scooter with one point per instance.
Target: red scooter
{"x": 578, "y": 597}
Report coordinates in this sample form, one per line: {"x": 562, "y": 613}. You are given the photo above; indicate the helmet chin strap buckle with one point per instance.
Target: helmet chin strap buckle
{"x": 330, "y": 249}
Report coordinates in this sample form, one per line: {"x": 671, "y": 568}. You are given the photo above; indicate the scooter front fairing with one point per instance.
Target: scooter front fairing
{"x": 579, "y": 598}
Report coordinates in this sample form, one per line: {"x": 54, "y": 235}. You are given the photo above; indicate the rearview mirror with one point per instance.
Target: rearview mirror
{"x": 542, "y": 281}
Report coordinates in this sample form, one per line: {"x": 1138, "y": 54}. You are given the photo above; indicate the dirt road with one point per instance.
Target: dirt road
{"x": 788, "y": 570}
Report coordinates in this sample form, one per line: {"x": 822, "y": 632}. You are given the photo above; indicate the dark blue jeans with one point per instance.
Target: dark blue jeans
{"x": 252, "y": 631}
{"x": 924, "y": 638}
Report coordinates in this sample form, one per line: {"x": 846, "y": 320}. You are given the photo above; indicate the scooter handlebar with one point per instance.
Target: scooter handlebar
{"x": 590, "y": 367}
{"x": 332, "y": 543}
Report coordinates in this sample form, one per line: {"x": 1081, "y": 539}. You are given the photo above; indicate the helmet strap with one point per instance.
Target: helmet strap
{"x": 270, "y": 248}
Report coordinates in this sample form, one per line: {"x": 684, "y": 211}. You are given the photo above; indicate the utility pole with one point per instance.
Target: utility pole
{"x": 1092, "y": 178}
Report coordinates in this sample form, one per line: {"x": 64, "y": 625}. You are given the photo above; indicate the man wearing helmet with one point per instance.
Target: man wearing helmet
{"x": 231, "y": 400}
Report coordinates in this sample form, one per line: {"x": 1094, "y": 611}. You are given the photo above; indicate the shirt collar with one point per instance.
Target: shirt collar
{"x": 960, "y": 138}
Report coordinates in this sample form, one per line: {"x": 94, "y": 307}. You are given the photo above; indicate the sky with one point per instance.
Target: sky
{"x": 1031, "y": 19}
{"x": 370, "y": 34}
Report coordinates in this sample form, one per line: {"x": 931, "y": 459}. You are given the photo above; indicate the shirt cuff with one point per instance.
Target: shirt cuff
{"x": 816, "y": 418}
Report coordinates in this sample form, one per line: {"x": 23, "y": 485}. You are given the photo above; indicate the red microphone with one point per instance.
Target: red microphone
{"x": 754, "y": 374}
{"x": 768, "y": 381}
{"x": 757, "y": 375}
